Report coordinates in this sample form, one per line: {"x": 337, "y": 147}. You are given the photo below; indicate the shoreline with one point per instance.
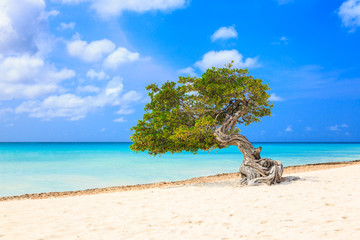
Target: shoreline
{"x": 203, "y": 179}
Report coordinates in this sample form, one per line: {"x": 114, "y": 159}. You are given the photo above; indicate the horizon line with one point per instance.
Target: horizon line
{"x": 131, "y": 142}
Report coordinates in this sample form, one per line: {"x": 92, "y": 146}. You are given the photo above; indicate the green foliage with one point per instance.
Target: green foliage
{"x": 183, "y": 116}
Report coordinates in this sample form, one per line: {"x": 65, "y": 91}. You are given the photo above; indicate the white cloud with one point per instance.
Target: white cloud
{"x": 109, "y": 8}
{"x": 23, "y": 26}
{"x": 120, "y": 119}
{"x": 24, "y": 43}
{"x": 282, "y": 41}
{"x": 74, "y": 107}
{"x": 120, "y": 56}
{"x": 220, "y": 58}
{"x": 349, "y": 12}
{"x": 88, "y": 88}
{"x": 115, "y": 7}
{"x": 126, "y": 100}
{"x": 338, "y": 127}
{"x": 26, "y": 73}
{"x": 114, "y": 88}
{"x": 28, "y": 76}
{"x": 4, "y": 111}
{"x": 64, "y": 26}
{"x": 308, "y": 129}
{"x": 68, "y": 106}
{"x": 289, "y": 129}
{"x": 46, "y": 15}
{"x": 274, "y": 98}
{"x": 131, "y": 96}
{"x": 125, "y": 111}
{"x": 224, "y": 33}
{"x": 89, "y": 52}
{"x": 71, "y": 1}
{"x": 92, "y": 74}
{"x": 334, "y": 128}
{"x": 189, "y": 71}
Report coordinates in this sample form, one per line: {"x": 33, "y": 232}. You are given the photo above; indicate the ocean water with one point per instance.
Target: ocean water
{"x": 50, "y": 167}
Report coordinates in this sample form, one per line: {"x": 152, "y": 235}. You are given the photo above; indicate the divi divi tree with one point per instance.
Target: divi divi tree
{"x": 203, "y": 113}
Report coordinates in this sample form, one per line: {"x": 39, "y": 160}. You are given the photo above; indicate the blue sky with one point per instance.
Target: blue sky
{"x": 76, "y": 70}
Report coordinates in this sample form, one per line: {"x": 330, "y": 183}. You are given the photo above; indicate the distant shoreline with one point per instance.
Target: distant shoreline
{"x": 204, "y": 179}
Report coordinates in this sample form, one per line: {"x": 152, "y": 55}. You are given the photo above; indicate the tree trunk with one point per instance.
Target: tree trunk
{"x": 254, "y": 169}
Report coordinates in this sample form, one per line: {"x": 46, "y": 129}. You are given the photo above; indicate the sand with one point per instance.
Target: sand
{"x": 323, "y": 204}
{"x": 204, "y": 179}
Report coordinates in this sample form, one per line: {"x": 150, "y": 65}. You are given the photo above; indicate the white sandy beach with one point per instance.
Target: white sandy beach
{"x": 322, "y": 205}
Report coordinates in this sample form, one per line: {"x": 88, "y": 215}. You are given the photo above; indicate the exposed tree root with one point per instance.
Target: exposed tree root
{"x": 254, "y": 169}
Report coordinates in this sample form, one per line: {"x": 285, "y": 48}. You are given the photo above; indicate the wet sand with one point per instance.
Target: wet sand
{"x": 323, "y": 204}
{"x": 205, "y": 179}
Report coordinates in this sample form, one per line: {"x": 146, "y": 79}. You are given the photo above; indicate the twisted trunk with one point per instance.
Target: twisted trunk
{"x": 254, "y": 169}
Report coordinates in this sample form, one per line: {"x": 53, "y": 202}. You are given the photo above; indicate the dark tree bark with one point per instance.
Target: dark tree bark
{"x": 254, "y": 169}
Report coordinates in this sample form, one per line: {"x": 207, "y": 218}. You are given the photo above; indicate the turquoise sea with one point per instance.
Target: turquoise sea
{"x": 50, "y": 167}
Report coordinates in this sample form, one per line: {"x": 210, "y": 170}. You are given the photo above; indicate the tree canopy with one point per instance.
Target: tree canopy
{"x": 183, "y": 115}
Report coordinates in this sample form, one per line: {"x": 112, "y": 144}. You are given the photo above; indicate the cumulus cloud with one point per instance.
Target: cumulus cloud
{"x": 24, "y": 43}
{"x": 22, "y": 26}
{"x": 126, "y": 100}
{"x": 92, "y": 74}
{"x": 120, "y": 56}
{"x": 224, "y": 33}
{"x": 274, "y": 98}
{"x": 109, "y": 8}
{"x": 189, "y": 71}
{"x": 26, "y": 73}
{"x": 75, "y": 107}
{"x": 349, "y": 12}
{"x": 130, "y": 96}
{"x": 97, "y": 50}
{"x": 89, "y": 52}
{"x": 220, "y": 58}
{"x": 120, "y": 119}
{"x": 45, "y": 15}
{"x": 88, "y": 89}
{"x": 64, "y": 26}
{"x": 28, "y": 76}
{"x": 289, "y": 129}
